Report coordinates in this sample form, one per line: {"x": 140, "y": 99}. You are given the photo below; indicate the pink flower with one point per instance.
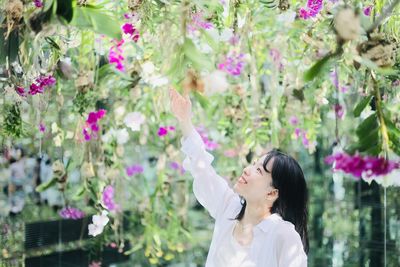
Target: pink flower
{"x": 162, "y": 131}
{"x": 115, "y": 55}
{"x": 108, "y": 198}
{"x": 233, "y": 64}
{"x": 230, "y": 153}
{"x": 209, "y": 144}
{"x": 38, "y": 3}
{"x": 276, "y": 58}
{"x": 359, "y": 166}
{"x": 71, "y": 213}
{"x": 134, "y": 169}
{"x": 95, "y": 264}
{"x": 367, "y": 10}
{"x": 176, "y": 166}
{"x": 129, "y": 29}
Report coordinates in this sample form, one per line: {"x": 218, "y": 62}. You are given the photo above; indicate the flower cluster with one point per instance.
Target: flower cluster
{"x": 162, "y": 131}
{"x": 99, "y": 222}
{"x": 178, "y": 167}
{"x": 209, "y": 144}
{"x": 91, "y": 124}
{"x": 360, "y": 166}
{"x": 198, "y": 22}
{"x": 38, "y": 3}
{"x": 41, "y": 83}
{"x": 134, "y": 169}
{"x": 115, "y": 56}
{"x": 312, "y": 9}
{"x": 108, "y": 198}
{"x": 71, "y": 213}
{"x": 233, "y": 64}
{"x": 130, "y": 30}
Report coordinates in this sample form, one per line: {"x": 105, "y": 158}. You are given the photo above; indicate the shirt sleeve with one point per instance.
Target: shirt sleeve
{"x": 290, "y": 250}
{"x": 211, "y": 190}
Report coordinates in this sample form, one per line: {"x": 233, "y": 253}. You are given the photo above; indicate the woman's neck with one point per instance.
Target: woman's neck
{"x": 255, "y": 213}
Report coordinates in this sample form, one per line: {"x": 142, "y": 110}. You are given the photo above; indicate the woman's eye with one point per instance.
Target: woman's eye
{"x": 258, "y": 169}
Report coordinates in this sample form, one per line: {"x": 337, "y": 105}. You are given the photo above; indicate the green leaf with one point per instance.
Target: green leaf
{"x": 369, "y": 140}
{"x": 201, "y": 99}
{"x": 79, "y": 193}
{"x": 198, "y": 60}
{"x": 361, "y": 105}
{"x": 65, "y": 9}
{"x": 95, "y": 19}
{"x": 367, "y": 125}
{"x": 47, "y": 185}
{"x": 316, "y": 69}
{"x": 51, "y": 42}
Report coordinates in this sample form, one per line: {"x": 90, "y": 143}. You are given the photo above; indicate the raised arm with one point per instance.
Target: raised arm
{"x": 210, "y": 189}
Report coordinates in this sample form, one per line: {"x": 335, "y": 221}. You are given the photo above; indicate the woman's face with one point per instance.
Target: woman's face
{"x": 255, "y": 184}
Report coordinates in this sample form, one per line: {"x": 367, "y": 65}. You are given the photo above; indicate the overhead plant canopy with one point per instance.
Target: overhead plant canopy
{"x": 85, "y": 83}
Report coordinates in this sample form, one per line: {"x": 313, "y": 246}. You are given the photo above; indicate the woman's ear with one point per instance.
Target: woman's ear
{"x": 273, "y": 194}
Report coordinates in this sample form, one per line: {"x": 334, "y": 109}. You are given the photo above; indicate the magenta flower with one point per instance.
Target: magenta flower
{"x": 367, "y": 10}
{"x": 312, "y": 9}
{"x": 42, "y": 127}
{"x": 233, "y": 64}
{"x": 339, "y": 111}
{"x": 198, "y": 22}
{"x": 38, "y": 3}
{"x": 129, "y": 29}
{"x": 360, "y": 166}
{"x": 108, "y": 198}
{"x": 162, "y": 131}
{"x": 115, "y": 55}
{"x": 92, "y": 124}
{"x": 134, "y": 169}
{"x": 71, "y": 213}
{"x": 40, "y": 84}
{"x": 21, "y": 91}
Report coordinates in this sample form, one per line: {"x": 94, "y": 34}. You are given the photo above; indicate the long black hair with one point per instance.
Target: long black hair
{"x": 292, "y": 203}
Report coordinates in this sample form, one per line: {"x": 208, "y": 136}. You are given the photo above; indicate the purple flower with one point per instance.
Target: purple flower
{"x": 276, "y": 58}
{"x": 209, "y": 144}
{"x": 134, "y": 169}
{"x": 312, "y": 9}
{"x": 42, "y": 127}
{"x": 198, "y": 22}
{"x": 71, "y": 213}
{"x": 396, "y": 83}
{"x": 176, "y": 166}
{"x": 339, "y": 111}
{"x": 38, "y": 3}
{"x": 108, "y": 198}
{"x": 334, "y": 78}
{"x": 360, "y": 166}
{"x": 233, "y": 64}
{"x": 293, "y": 120}
{"x": 367, "y": 10}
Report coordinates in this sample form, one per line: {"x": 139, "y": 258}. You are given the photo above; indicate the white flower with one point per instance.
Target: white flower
{"x": 215, "y": 82}
{"x": 122, "y": 136}
{"x": 148, "y": 67}
{"x": 134, "y": 120}
{"x": 99, "y": 221}
{"x": 17, "y": 68}
{"x": 107, "y": 137}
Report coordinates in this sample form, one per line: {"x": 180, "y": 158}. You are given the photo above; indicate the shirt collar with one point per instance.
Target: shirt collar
{"x": 268, "y": 222}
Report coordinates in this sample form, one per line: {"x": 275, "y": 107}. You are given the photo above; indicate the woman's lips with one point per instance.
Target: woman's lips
{"x": 242, "y": 180}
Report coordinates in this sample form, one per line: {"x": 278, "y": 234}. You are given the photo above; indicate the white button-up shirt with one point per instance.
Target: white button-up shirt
{"x": 275, "y": 241}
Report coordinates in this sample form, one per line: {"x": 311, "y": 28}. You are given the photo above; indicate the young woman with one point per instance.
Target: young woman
{"x": 262, "y": 221}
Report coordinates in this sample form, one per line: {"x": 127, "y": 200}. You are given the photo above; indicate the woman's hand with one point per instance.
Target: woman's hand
{"x": 181, "y": 106}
